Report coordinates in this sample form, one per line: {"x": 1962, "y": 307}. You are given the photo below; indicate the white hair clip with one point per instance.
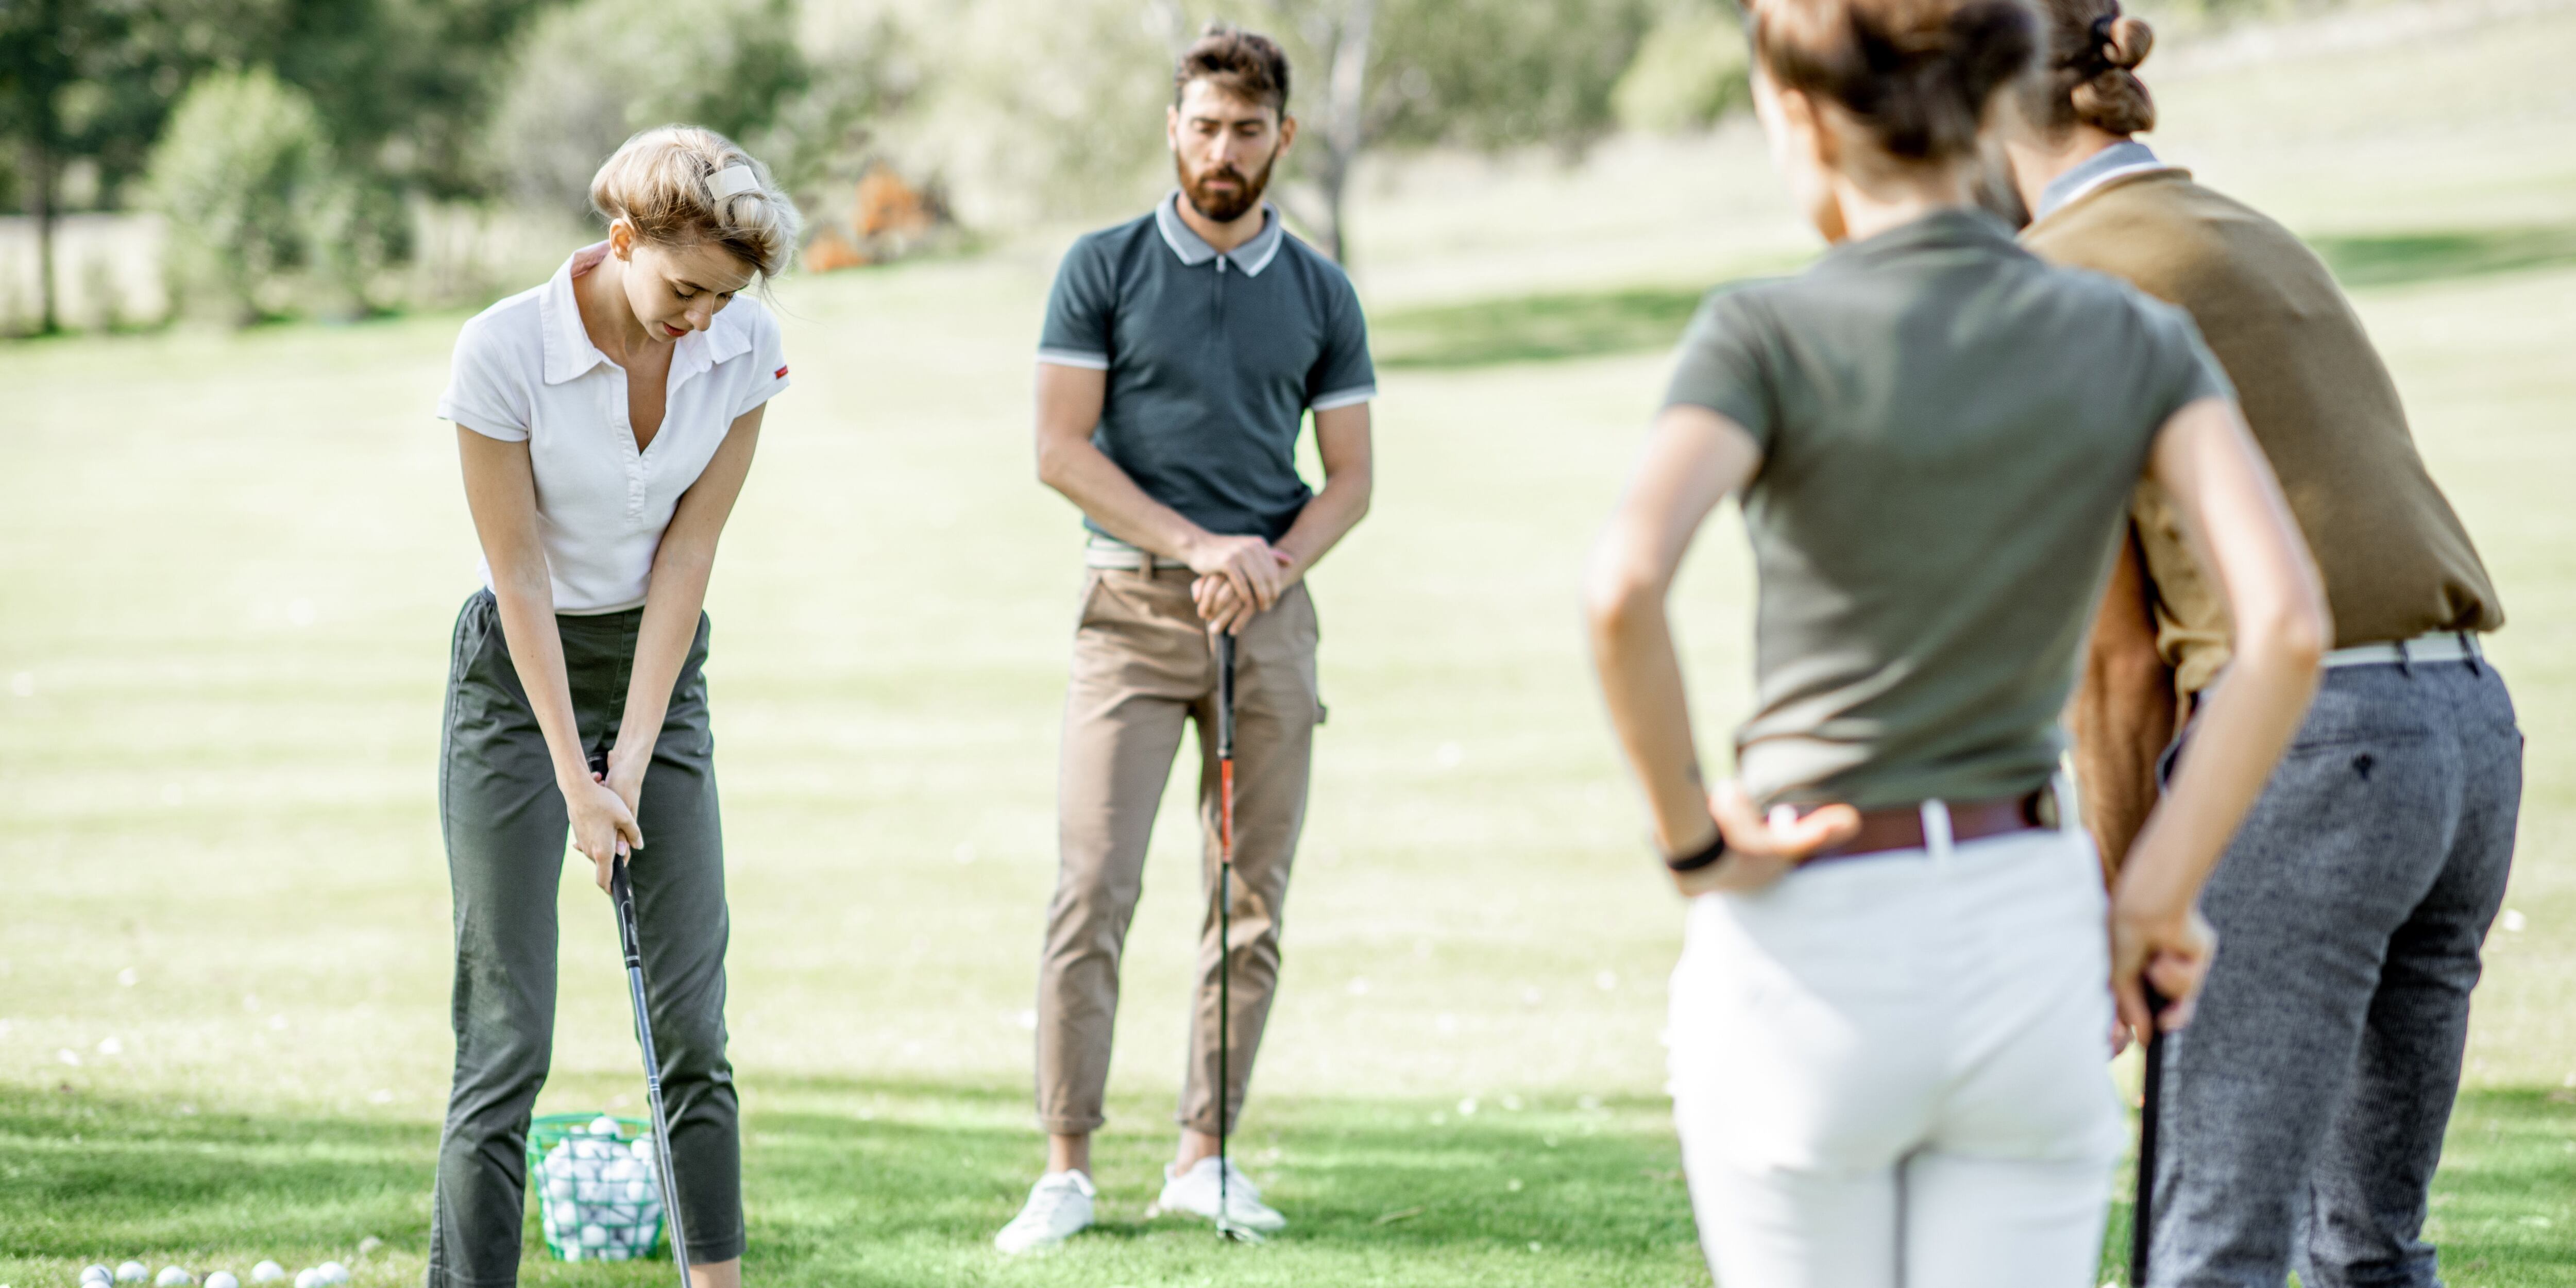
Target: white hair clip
{"x": 733, "y": 180}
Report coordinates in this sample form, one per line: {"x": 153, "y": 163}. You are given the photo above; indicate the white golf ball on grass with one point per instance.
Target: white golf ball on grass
{"x": 222, "y": 1279}
{"x": 97, "y": 1275}
{"x": 133, "y": 1272}
{"x": 332, "y": 1272}
{"x": 173, "y": 1277}
{"x": 308, "y": 1277}
{"x": 267, "y": 1272}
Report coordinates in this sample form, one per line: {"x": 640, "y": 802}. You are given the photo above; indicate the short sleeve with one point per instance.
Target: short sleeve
{"x": 1719, "y": 365}
{"x": 1343, "y": 375}
{"x": 1080, "y": 309}
{"x": 2186, "y": 370}
{"x": 487, "y": 384}
{"x": 768, "y": 358}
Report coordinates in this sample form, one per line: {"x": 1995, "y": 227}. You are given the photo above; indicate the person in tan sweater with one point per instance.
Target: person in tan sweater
{"x": 2305, "y": 1106}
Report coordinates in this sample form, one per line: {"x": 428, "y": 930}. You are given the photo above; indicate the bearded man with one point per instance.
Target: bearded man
{"x": 1181, "y": 354}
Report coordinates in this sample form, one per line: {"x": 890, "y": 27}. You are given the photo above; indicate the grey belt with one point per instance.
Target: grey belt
{"x": 1110, "y": 552}
{"x": 2440, "y": 646}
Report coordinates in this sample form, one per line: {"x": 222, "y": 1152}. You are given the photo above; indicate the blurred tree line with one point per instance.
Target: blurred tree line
{"x": 293, "y": 144}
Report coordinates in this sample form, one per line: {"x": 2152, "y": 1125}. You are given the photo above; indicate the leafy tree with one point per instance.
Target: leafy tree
{"x": 245, "y": 177}
{"x": 53, "y": 56}
{"x": 1692, "y": 69}
{"x": 589, "y": 75}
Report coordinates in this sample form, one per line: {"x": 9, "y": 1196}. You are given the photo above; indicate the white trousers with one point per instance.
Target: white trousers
{"x": 1891, "y": 1071}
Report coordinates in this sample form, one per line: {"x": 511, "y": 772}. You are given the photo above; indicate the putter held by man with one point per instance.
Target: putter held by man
{"x": 1181, "y": 356}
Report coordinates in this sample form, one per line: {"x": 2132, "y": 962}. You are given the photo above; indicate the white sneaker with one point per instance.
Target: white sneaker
{"x": 1195, "y": 1192}
{"x": 1059, "y": 1206}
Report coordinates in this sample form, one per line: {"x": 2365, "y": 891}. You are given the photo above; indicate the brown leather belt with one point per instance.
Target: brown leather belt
{"x": 1900, "y": 827}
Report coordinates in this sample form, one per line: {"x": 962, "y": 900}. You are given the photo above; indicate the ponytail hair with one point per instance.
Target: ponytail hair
{"x": 2094, "y": 52}
{"x": 1917, "y": 75}
{"x": 666, "y": 183}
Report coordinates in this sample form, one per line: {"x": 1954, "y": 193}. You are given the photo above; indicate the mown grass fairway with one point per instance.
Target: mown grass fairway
{"x": 228, "y": 567}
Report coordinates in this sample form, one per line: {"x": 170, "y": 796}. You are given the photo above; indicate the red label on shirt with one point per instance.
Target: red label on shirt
{"x": 782, "y": 374}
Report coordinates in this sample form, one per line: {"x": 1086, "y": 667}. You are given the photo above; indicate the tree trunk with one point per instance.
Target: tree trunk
{"x": 1345, "y": 122}
{"x": 40, "y": 167}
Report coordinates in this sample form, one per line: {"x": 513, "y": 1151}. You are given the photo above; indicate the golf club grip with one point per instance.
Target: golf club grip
{"x": 2142, "y": 1208}
{"x": 621, "y": 891}
{"x": 1224, "y": 696}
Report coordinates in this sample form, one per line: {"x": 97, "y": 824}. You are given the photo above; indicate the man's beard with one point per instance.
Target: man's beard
{"x": 1222, "y": 206}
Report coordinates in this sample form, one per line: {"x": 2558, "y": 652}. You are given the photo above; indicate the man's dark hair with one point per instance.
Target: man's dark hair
{"x": 1247, "y": 64}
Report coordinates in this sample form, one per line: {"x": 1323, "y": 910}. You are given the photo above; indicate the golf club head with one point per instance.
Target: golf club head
{"x": 1232, "y": 1233}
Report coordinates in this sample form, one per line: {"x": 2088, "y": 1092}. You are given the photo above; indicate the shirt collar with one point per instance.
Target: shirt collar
{"x": 570, "y": 354}
{"x": 1249, "y": 258}
{"x": 2121, "y": 159}
{"x": 1957, "y": 226}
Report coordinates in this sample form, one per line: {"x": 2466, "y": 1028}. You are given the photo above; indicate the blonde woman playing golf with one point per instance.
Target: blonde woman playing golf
{"x": 606, "y": 420}
{"x": 1888, "y": 1025}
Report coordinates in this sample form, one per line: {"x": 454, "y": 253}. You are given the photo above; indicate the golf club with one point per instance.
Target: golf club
{"x": 621, "y": 889}
{"x": 2143, "y": 1209}
{"x": 1225, "y": 1226}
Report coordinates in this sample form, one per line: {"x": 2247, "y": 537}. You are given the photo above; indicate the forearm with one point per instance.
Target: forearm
{"x": 1641, "y": 684}
{"x": 524, "y": 591}
{"x": 2242, "y": 531}
{"x": 1327, "y": 519}
{"x": 1087, "y": 477}
{"x": 2243, "y": 727}
{"x": 2124, "y": 717}
{"x": 673, "y": 599}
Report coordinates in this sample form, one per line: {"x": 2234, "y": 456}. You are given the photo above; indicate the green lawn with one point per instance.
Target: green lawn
{"x": 228, "y": 565}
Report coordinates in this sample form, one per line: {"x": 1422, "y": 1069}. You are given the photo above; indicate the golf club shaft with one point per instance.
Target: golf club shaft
{"x": 621, "y": 891}
{"x": 2142, "y": 1211}
{"x": 1224, "y": 924}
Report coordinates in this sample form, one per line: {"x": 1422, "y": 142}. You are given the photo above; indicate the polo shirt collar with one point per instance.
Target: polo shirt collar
{"x": 2118, "y": 161}
{"x": 1249, "y": 258}
{"x": 1954, "y": 227}
{"x": 570, "y": 354}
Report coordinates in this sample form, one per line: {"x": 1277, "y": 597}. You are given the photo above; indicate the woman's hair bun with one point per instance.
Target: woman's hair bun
{"x": 672, "y": 184}
{"x": 2093, "y": 54}
{"x": 2126, "y": 42}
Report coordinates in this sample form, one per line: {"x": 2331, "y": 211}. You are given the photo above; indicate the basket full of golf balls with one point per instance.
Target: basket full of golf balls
{"x": 595, "y": 1186}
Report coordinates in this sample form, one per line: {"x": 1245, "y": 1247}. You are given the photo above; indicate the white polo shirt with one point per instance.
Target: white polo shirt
{"x": 525, "y": 371}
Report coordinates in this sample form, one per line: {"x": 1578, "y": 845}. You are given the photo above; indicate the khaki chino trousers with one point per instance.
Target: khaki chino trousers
{"x": 1143, "y": 667}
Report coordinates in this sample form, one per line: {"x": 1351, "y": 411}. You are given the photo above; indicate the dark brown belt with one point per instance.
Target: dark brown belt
{"x": 1900, "y": 827}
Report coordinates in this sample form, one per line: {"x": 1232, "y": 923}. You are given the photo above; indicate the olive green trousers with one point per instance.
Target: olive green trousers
{"x": 506, "y": 827}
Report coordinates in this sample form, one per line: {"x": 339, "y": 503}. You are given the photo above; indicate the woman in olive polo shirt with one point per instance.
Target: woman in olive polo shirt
{"x": 607, "y": 421}
{"x": 1887, "y": 1025}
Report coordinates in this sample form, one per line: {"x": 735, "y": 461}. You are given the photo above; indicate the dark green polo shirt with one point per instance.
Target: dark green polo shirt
{"x": 1213, "y": 361}
{"x": 1950, "y": 433}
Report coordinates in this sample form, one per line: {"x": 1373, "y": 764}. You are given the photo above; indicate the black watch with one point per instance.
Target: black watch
{"x": 1705, "y": 857}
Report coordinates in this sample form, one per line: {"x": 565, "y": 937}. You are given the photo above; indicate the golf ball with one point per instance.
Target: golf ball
{"x": 592, "y": 1236}
{"x": 638, "y": 1191}
{"x": 603, "y": 1125}
{"x": 222, "y": 1279}
{"x": 641, "y": 1147}
{"x": 172, "y": 1277}
{"x": 133, "y": 1272}
{"x": 267, "y": 1272}
{"x": 97, "y": 1275}
{"x": 332, "y": 1272}
{"x": 308, "y": 1277}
